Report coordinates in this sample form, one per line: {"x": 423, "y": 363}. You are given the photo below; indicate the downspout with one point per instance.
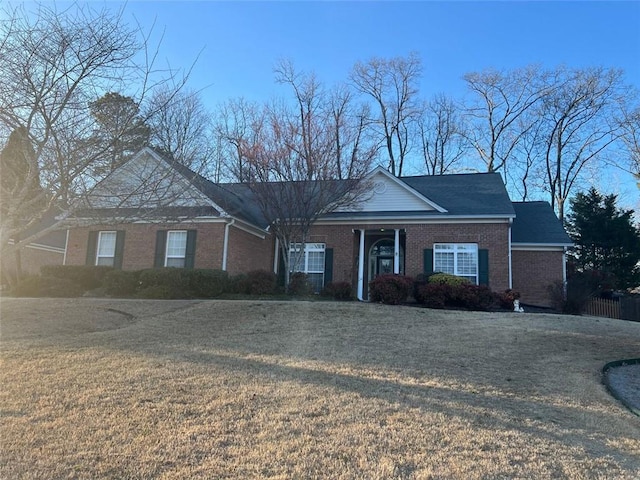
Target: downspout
{"x": 361, "y": 267}
{"x": 66, "y": 246}
{"x": 225, "y": 245}
{"x": 510, "y": 258}
{"x": 564, "y": 269}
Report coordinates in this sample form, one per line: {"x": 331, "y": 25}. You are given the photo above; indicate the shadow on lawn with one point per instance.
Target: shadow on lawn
{"x": 483, "y": 406}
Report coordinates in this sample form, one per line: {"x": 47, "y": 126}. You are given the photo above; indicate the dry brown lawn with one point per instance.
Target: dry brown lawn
{"x": 283, "y": 390}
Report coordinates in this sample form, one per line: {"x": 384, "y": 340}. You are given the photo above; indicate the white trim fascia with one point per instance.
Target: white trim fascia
{"x": 412, "y": 220}
{"x": 45, "y": 248}
{"x": 402, "y": 184}
{"x": 247, "y": 227}
{"x": 540, "y": 247}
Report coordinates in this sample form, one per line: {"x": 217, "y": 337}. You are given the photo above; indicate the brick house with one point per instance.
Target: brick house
{"x": 462, "y": 224}
{"x": 49, "y": 249}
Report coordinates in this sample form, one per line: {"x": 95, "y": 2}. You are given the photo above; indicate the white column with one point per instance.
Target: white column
{"x": 361, "y": 267}
{"x": 396, "y": 252}
{"x": 276, "y": 256}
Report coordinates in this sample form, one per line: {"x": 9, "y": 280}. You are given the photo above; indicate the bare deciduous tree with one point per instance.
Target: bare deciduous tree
{"x": 443, "y": 143}
{"x": 52, "y": 65}
{"x": 295, "y": 173}
{"x": 181, "y": 127}
{"x": 237, "y": 125}
{"x": 579, "y": 125}
{"x": 392, "y": 84}
{"x": 630, "y": 123}
{"x": 497, "y": 112}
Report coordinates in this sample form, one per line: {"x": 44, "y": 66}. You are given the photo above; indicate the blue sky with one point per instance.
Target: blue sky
{"x": 240, "y": 42}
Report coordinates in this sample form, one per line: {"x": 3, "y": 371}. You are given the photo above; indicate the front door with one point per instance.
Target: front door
{"x": 383, "y": 265}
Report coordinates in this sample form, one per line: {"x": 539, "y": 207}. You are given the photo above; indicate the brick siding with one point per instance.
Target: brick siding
{"x": 533, "y": 272}
{"x": 493, "y": 237}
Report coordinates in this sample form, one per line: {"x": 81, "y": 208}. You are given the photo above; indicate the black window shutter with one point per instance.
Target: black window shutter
{"x": 92, "y": 244}
{"x": 427, "y": 261}
{"x": 117, "y": 260}
{"x": 161, "y": 247}
{"x": 328, "y": 265}
{"x": 483, "y": 267}
{"x": 190, "y": 253}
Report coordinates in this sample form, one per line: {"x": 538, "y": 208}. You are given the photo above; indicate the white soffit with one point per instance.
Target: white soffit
{"x": 390, "y": 194}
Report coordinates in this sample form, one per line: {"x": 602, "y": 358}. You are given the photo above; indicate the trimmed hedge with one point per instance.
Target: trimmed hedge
{"x": 88, "y": 277}
{"x": 464, "y": 295}
{"x": 47, "y": 286}
{"x": 390, "y": 289}
{"x": 447, "y": 279}
{"x": 122, "y": 283}
{"x": 338, "y": 291}
{"x": 256, "y": 282}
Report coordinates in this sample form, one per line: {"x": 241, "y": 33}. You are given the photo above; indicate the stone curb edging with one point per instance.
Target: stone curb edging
{"x": 613, "y": 391}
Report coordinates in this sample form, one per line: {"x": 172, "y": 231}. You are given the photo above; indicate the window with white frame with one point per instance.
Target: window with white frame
{"x": 309, "y": 261}
{"x": 176, "y": 248}
{"x": 460, "y": 259}
{"x": 106, "y": 249}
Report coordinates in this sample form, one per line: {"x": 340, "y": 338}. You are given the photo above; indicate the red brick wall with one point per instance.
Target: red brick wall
{"x": 246, "y": 252}
{"x": 493, "y": 237}
{"x": 533, "y": 272}
{"x": 140, "y": 243}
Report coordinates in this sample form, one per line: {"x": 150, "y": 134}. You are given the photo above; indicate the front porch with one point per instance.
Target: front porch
{"x": 380, "y": 251}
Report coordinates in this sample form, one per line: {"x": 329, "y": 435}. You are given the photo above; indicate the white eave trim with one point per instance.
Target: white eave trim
{"x": 413, "y": 220}
{"x": 540, "y": 247}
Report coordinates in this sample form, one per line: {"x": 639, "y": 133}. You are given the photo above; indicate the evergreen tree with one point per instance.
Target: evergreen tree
{"x": 20, "y": 191}
{"x": 120, "y": 131}
{"x": 606, "y": 240}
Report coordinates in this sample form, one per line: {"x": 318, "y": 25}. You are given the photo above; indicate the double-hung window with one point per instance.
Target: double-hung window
{"x": 175, "y": 254}
{"x": 460, "y": 259}
{"x": 309, "y": 260}
{"x": 106, "y": 248}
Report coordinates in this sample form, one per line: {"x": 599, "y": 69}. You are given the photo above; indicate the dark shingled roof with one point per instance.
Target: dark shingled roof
{"x": 465, "y": 194}
{"x": 468, "y": 195}
{"x": 536, "y": 223}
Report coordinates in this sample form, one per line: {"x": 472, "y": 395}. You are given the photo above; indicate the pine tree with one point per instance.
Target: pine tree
{"x": 20, "y": 191}
{"x": 606, "y": 240}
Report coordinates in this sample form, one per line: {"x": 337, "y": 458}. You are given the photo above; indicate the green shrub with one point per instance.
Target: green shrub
{"x": 338, "y": 291}
{"x": 174, "y": 280}
{"x": 433, "y": 295}
{"x": 86, "y": 276}
{"x": 464, "y": 295}
{"x": 299, "y": 284}
{"x": 207, "y": 283}
{"x": 46, "y": 286}
{"x": 447, "y": 279}
{"x": 158, "y": 292}
{"x": 390, "y": 289}
{"x": 122, "y": 283}
{"x": 239, "y": 284}
{"x": 260, "y": 282}
{"x": 473, "y": 297}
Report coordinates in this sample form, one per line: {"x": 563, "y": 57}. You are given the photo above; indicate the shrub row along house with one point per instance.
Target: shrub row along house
{"x": 151, "y": 213}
